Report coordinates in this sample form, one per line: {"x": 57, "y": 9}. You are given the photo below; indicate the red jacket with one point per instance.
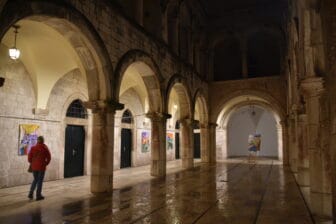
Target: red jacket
{"x": 39, "y": 157}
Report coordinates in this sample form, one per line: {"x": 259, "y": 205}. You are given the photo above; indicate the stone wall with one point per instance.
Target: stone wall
{"x": 17, "y": 107}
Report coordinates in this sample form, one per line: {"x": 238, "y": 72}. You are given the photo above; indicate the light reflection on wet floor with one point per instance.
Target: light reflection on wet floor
{"x": 234, "y": 192}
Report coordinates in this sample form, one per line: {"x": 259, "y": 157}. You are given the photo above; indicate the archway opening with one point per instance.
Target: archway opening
{"x": 201, "y": 150}
{"x": 252, "y": 120}
{"x": 181, "y": 124}
{"x": 249, "y": 115}
{"x": 138, "y": 91}
{"x": 57, "y": 63}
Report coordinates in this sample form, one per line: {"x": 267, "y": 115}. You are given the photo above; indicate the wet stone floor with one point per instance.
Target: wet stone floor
{"x": 228, "y": 192}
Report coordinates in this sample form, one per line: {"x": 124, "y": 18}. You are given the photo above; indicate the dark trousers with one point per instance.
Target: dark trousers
{"x": 38, "y": 181}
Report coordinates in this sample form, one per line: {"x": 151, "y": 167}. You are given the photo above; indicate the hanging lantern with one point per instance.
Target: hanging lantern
{"x": 14, "y": 53}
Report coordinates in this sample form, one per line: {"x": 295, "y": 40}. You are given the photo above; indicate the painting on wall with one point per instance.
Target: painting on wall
{"x": 27, "y": 137}
{"x": 170, "y": 140}
{"x": 145, "y": 141}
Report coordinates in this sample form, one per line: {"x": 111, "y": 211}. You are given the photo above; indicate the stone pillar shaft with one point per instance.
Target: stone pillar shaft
{"x": 212, "y": 142}
{"x": 102, "y": 153}
{"x": 319, "y": 183}
{"x": 303, "y": 162}
{"x": 187, "y": 143}
{"x": 205, "y": 150}
{"x": 285, "y": 142}
{"x": 102, "y": 144}
{"x": 158, "y": 144}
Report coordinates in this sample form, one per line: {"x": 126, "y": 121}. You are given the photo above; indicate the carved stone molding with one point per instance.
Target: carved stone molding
{"x": 303, "y": 118}
{"x": 103, "y": 105}
{"x": 40, "y": 112}
{"x": 157, "y": 116}
{"x": 210, "y": 125}
{"x": 312, "y": 86}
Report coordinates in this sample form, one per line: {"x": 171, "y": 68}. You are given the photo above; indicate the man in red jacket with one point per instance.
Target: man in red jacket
{"x": 39, "y": 157}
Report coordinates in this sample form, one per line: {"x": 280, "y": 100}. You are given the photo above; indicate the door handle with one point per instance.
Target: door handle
{"x": 74, "y": 152}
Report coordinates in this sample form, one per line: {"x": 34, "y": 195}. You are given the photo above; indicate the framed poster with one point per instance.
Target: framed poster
{"x": 145, "y": 141}
{"x": 170, "y": 140}
{"x": 27, "y": 138}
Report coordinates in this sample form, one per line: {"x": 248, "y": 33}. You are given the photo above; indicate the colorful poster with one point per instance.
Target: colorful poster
{"x": 28, "y": 137}
{"x": 145, "y": 141}
{"x": 170, "y": 140}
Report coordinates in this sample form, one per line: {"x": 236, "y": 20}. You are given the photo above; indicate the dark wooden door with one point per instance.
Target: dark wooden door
{"x": 197, "y": 145}
{"x": 74, "y": 151}
{"x": 126, "y": 148}
{"x": 177, "y": 145}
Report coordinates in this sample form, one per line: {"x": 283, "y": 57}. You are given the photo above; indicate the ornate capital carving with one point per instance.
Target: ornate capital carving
{"x": 157, "y": 116}
{"x": 103, "y": 105}
{"x": 188, "y": 122}
{"x": 303, "y": 118}
{"x": 312, "y": 86}
{"x": 209, "y": 125}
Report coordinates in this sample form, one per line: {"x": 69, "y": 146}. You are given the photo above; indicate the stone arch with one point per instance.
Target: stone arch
{"x": 151, "y": 76}
{"x": 199, "y": 96}
{"x": 178, "y": 91}
{"x": 184, "y": 92}
{"x": 266, "y": 97}
{"x": 200, "y": 105}
{"x": 238, "y": 100}
{"x": 76, "y": 29}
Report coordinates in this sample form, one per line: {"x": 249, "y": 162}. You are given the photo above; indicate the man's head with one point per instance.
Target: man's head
{"x": 40, "y": 139}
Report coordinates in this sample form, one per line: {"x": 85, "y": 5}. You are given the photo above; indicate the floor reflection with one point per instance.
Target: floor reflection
{"x": 234, "y": 192}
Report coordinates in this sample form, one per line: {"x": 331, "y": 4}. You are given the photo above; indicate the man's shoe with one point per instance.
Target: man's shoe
{"x": 39, "y": 198}
{"x": 30, "y": 196}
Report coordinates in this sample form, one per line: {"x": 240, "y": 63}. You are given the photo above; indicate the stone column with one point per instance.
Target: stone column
{"x": 313, "y": 89}
{"x": 333, "y": 163}
{"x": 205, "y": 150}
{"x": 208, "y": 143}
{"x": 280, "y": 142}
{"x": 187, "y": 142}
{"x": 285, "y": 142}
{"x": 303, "y": 162}
{"x": 212, "y": 142}
{"x": 292, "y": 137}
{"x": 158, "y": 143}
{"x": 102, "y": 144}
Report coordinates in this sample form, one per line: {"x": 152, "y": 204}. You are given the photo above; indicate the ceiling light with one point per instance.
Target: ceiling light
{"x": 14, "y": 53}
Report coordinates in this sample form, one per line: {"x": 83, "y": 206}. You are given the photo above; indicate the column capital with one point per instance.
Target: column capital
{"x": 103, "y": 105}
{"x": 209, "y": 125}
{"x": 158, "y": 116}
{"x": 312, "y": 86}
{"x": 188, "y": 121}
{"x": 302, "y": 117}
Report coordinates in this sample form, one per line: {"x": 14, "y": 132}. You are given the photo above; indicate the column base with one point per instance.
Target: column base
{"x": 101, "y": 184}
{"x": 303, "y": 177}
{"x": 187, "y": 163}
{"x": 293, "y": 165}
{"x": 321, "y": 204}
{"x": 158, "y": 168}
